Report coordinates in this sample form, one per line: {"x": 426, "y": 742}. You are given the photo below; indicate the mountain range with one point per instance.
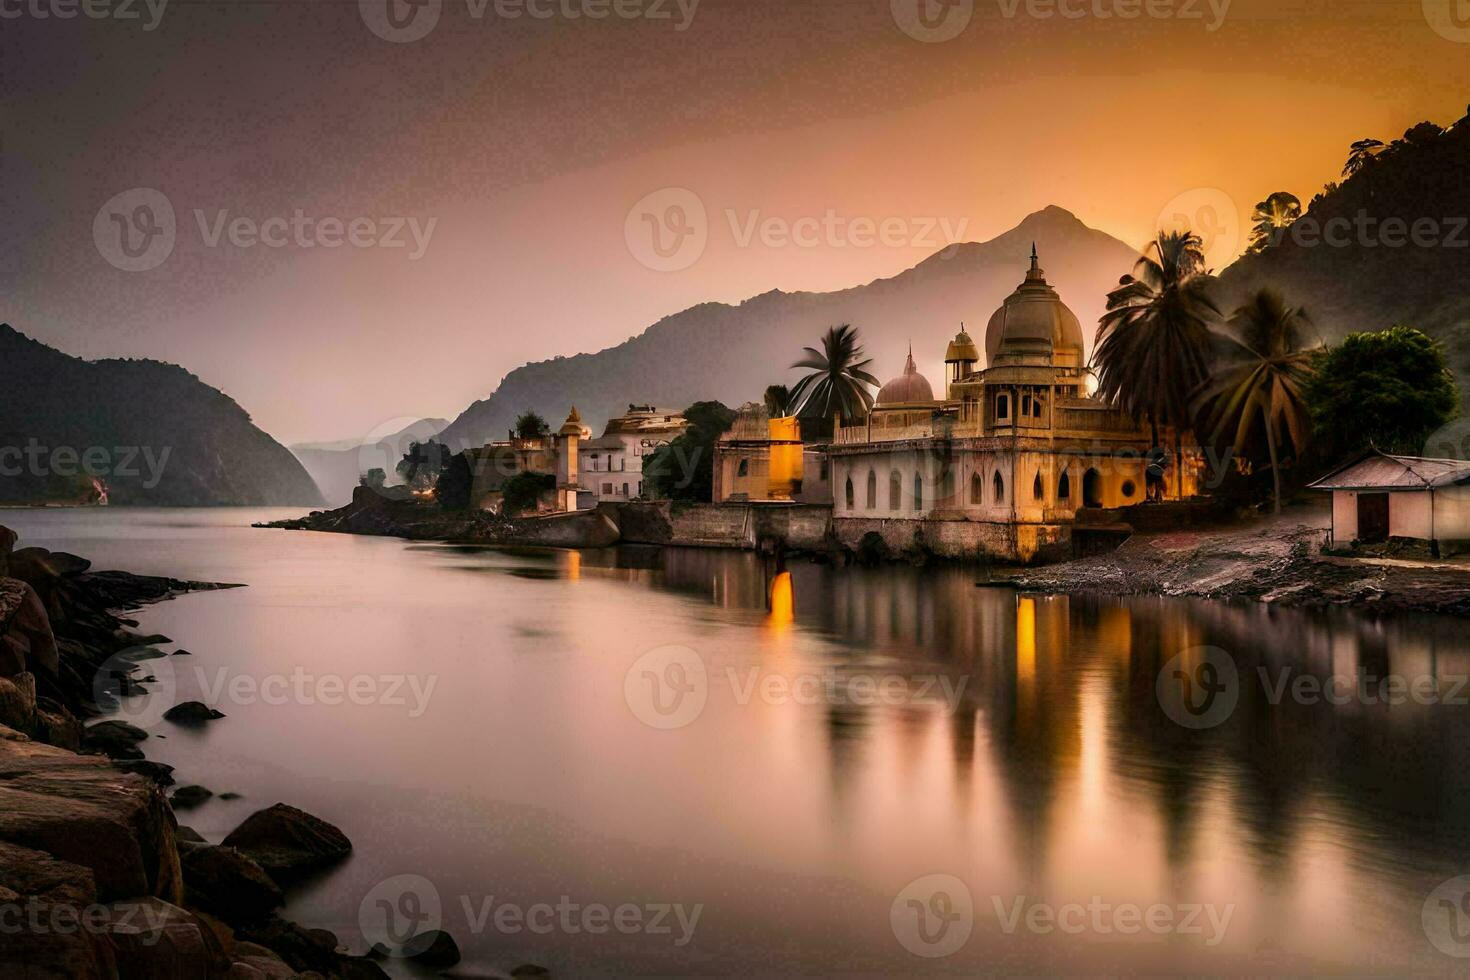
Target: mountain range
{"x": 136, "y": 431}
{"x": 732, "y": 352}
{"x": 336, "y": 466}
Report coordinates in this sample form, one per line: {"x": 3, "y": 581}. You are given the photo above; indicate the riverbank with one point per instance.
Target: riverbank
{"x": 1274, "y": 560}
{"x": 97, "y": 877}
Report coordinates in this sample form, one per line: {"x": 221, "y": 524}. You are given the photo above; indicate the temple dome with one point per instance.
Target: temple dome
{"x": 961, "y": 349}
{"x": 907, "y": 388}
{"x": 1034, "y": 321}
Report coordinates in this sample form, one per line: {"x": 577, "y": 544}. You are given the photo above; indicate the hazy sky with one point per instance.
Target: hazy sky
{"x": 494, "y": 185}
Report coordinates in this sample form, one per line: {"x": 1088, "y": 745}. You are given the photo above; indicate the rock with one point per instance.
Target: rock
{"x": 229, "y": 796}
{"x": 308, "y": 949}
{"x": 82, "y": 810}
{"x": 436, "y": 949}
{"x": 189, "y": 835}
{"x": 254, "y": 962}
{"x": 36, "y": 879}
{"x": 56, "y": 564}
{"x": 18, "y": 702}
{"x": 191, "y": 713}
{"x": 161, "y": 774}
{"x": 183, "y": 653}
{"x": 7, "y": 545}
{"x": 188, "y": 797}
{"x": 161, "y": 941}
{"x": 115, "y": 739}
{"x": 224, "y": 881}
{"x": 288, "y": 842}
{"x": 57, "y": 726}
{"x": 530, "y": 970}
{"x": 26, "y": 629}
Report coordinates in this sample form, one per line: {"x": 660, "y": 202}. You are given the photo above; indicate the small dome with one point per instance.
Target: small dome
{"x": 573, "y": 425}
{"x": 961, "y": 349}
{"x": 1033, "y": 320}
{"x": 907, "y": 388}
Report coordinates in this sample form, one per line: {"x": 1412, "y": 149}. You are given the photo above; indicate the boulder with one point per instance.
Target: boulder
{"x": 115, "y": 739}
{"x": 288, "y": 842}
{"x": 224, "y": 881}
{"x": 25, "y": 628}
{"x": 188, "y": 835}
{"x": 57, "y": 726}
{"x": 435, "y": 949}
{"x": 309, "y": 949}
{"x": 191, "y": 713}
{"x": 56, "y": 891}
{"x": 250, "y": 961}
{"x": 161, "y": 774}
{"x": 163, "y": 942}
{"x": 7, "y": 545}
{"x": 188, "y": 797}
{"x": 82, "y": 810}
{"x": 18, "y": 702}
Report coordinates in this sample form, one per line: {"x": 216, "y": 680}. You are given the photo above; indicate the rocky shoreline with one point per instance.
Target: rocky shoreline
{"x": 1275, "y": 561}
{"x": 97, "y": 877}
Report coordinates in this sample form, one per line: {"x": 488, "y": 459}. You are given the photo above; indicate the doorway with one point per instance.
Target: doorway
{"x": 1372, "y": 517}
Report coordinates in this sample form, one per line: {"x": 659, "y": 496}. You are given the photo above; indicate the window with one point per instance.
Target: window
{"x": 607, "y": 489}
{"x": 1036, "y": 490}
{"x": 998, "y": 487}
{"x": 849, "y": 493}
{"x": 825, "y": 470}
{"x": 1002, "y": 406}
{"x": 976, "y": 493}
{"x": 625, "y": 489}
{"x": 1128, "y": 488}
{"x": 1036, "y": 407}
{"x": 1025, "y": 405}
{"x": 640, "y": 488}
{"x": 1064, "y": 487}
{"x": 918, "y": 492}
{"x": 743, "y": 469}
{"x": 895, "y": 489}
{"x": 946, "y": 487}
{"x": 872, "y": 490}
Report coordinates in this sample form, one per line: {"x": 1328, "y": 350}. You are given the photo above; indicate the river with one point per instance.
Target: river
{"x": 645, "y": 762}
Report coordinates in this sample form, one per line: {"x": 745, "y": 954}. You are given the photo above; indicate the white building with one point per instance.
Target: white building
{"x": 611, "y": 466}
{"x": 1378, "y": 496}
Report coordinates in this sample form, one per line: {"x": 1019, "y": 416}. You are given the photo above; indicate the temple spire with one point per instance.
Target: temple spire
{"x": 1034, "y": 262}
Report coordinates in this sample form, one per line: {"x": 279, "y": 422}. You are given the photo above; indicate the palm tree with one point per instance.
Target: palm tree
{"x": 1360, "y": 153}
{"x": 778, "y": 401}
{"x": 1263, "y": 379}
{"x": 1153, "y": 343}
{"x": 839, "y": 382}
{"x": 1275, "y": 213}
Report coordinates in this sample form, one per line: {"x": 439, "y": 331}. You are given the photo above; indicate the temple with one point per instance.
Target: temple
{"x": 1003, "y": 462}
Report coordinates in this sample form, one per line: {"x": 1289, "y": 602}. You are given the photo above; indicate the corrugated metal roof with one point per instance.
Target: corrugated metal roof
{"x": 1381, "y": 471}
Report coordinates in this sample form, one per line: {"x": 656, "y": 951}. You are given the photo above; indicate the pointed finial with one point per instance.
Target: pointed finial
{"x": 1033, "y": 255}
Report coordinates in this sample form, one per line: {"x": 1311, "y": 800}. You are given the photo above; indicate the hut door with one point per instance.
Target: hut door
{"x": 1372, "y": 517}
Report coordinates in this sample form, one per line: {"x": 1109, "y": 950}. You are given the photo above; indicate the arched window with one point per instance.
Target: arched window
{"x": 1036, "y": 490}
{"x": 743, "y": 469}
{"x": 849, "y": 493}
{"x": 975, "y": 490}
{"x": 895, "y": 490}
{"x": 872, "y": 489}
{"x": 918, "y": 492}
{"x": 998, "y": 486}
{"x": 946, "y": 488}
{"x": 1092, "y": 489}
{"x": 1064, "y": 487}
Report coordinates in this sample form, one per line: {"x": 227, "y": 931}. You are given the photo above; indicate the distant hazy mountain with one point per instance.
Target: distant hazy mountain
{"x": 151, "y": 432}
{"x": 337, "y": 466}
{"x": 732, "y": 353}
{"x": 1354, "y": 268}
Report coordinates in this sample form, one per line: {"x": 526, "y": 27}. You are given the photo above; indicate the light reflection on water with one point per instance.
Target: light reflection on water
{"x": 1052, "y": 774}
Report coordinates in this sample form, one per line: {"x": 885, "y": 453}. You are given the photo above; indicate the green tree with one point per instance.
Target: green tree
{"x": 1360, "y": 154}
{"x": 422, "y": 464}
{"x": 839, "y": 382}
{"x": 523, "y": 491}
{"x": 1388, "y": 390}
{"x": 778, "y": 401}
{"x": 452, "y": 491}
{"x": 530, "y": 425}
{"x": 1272, "y": 217}
{"x": 1261, "y": 383}
{"x": 1153, "y": 343}
{"x": 684, "y": 469}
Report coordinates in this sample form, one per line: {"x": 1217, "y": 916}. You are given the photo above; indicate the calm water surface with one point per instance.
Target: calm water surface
{"x": 860, "y": 730}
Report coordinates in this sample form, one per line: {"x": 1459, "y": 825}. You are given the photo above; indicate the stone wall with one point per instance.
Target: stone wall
{"x": 730, "y": 525}
{"x": 962, "y": 540}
